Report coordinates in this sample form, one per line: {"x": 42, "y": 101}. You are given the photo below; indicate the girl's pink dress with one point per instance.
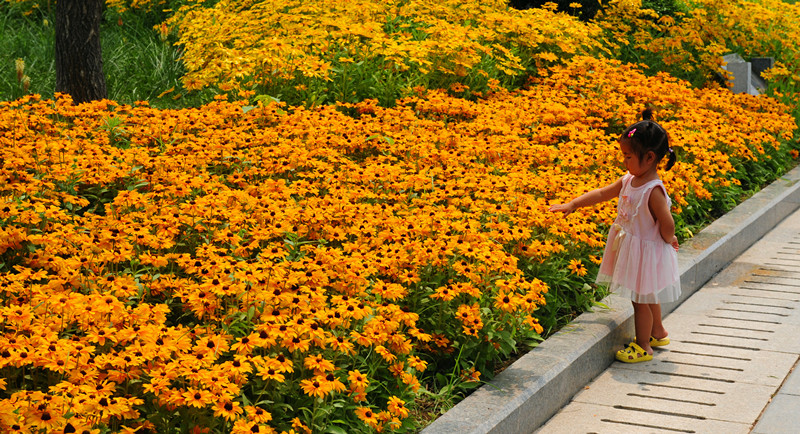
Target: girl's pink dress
{"x": 637, "y": 262}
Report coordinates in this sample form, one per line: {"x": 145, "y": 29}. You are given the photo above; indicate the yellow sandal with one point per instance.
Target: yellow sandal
{"x": 658, "y": 342}
{"x": 633, "y": 353}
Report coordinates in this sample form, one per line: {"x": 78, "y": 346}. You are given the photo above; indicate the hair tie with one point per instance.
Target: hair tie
{"x": 630, "y": 133}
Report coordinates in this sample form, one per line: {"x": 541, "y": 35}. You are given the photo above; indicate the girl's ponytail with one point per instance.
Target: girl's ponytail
{"x": 671, "y": 158}
{"x": 663, "y": 141}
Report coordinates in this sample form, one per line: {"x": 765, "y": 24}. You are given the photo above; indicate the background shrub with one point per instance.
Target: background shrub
{"x": 587, "y": 10}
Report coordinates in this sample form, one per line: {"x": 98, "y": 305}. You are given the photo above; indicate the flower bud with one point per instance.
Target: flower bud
{"x": 19, "y": 65}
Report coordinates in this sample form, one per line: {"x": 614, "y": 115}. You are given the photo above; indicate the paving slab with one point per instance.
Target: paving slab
{"x": 601, "y": 419}
{"x": 770, "y": 336}
{"x": 654, "y": 392}
{"x": 792, "y": 384}
{"x": 780, "y": 416}
{"x": 716, "y": 304}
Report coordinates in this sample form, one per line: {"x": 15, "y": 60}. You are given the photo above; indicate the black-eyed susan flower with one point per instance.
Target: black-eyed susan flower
{"x": 368, "y": 416}
{"x": 316, "y": 387}
{"x": 397, "y": 407}
{"x": 229, "y": 410}
{"x": 576, "y": 266}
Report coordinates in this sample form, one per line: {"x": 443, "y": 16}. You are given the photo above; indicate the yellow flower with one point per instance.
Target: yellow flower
{"x": 367, "y": 416}
{"x": 316, "y": 387}
{"x": 397, "y": 407}
{"x": 577, "y": 267}
{"x": 318, "y": 364}
{"x": 505, "y": 302}
{"x": 228, "y": 409}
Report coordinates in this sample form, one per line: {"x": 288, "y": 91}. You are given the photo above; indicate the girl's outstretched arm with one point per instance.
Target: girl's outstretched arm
{"x": 593, "y": 197}
{"x": 659, "y": 208}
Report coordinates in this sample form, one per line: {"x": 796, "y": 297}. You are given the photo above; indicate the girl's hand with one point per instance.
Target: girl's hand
{"x": 674, "y": 243}
{"x": 565, "y": 208}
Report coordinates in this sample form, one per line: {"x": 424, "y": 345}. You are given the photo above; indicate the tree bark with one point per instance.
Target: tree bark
{"x": 79, "y": 60}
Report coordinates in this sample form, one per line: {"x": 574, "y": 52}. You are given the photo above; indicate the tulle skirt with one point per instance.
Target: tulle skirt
{"x": 644, "y": 270}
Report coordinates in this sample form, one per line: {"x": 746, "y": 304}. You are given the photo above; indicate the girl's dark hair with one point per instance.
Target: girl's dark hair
{"x": 647, "y": 135}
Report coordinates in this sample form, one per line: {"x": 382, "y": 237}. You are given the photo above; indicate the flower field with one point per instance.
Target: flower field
{"x": 272, "y": 267}
{"x": 326, "y": 51}
{"x": 349, "y": 262}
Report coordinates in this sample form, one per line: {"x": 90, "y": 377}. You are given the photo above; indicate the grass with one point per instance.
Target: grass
{"x": 139, "y": 64}
{"x": 31, "y": 39}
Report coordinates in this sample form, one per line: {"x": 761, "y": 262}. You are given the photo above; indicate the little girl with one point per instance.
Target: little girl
{"x": 640, "y": 258}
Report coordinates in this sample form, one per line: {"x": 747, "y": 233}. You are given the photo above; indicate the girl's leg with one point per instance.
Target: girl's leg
{"x": 643, "y": 321}
{"x": 658, "y": 331}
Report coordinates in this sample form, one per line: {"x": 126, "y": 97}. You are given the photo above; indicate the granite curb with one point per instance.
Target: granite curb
{"x": 530, "y": 391}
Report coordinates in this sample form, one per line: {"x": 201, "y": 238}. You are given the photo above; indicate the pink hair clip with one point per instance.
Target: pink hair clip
{"x": 630, "y": 133}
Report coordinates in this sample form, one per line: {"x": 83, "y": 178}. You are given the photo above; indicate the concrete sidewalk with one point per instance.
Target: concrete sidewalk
{"x": 543, "y": 382}
{"x": 734, "y": 347}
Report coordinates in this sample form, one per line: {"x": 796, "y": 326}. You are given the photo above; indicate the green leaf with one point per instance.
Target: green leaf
{"x": 141, "y": 184}
{"x": 335, "y": 430}
{"x": 387, "y": 139}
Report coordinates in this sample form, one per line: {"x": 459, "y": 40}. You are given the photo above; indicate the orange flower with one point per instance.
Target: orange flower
{"x": 198, "y": 398}
{"x": 257, "y": 414}
{"x": 229, "y": 410}
{"x": 357, "y": 380}
{"x": 505, "y": 302}
{"x": 577, "y": 267}
{"x": 397, "y": 407}
{"x": 318, "y": 363}
{"x": 444, "y": 293}
{"x": 316, "y": 387}
{"x": 417, "y": 363}
{"x": 367, "y": 416}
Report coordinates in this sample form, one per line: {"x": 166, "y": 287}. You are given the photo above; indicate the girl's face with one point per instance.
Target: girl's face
{"x": 635, "y": 165}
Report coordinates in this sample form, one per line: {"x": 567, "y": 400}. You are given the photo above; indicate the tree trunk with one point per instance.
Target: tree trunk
{"x": 79, "y": 60}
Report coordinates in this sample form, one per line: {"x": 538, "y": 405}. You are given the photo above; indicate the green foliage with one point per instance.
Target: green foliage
{"x": 672, "y": 8}
{"x": 140, "y": 63}
{"x": 587, "y": 10}
{"x": 28, "y": 38}
{"x": 569, "y": 294}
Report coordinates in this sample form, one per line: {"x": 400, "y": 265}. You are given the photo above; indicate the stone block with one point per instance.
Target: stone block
{"x": 746, "y": 78}
{"x": 761, "y": 64}
{"x": 742, "y": 77}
